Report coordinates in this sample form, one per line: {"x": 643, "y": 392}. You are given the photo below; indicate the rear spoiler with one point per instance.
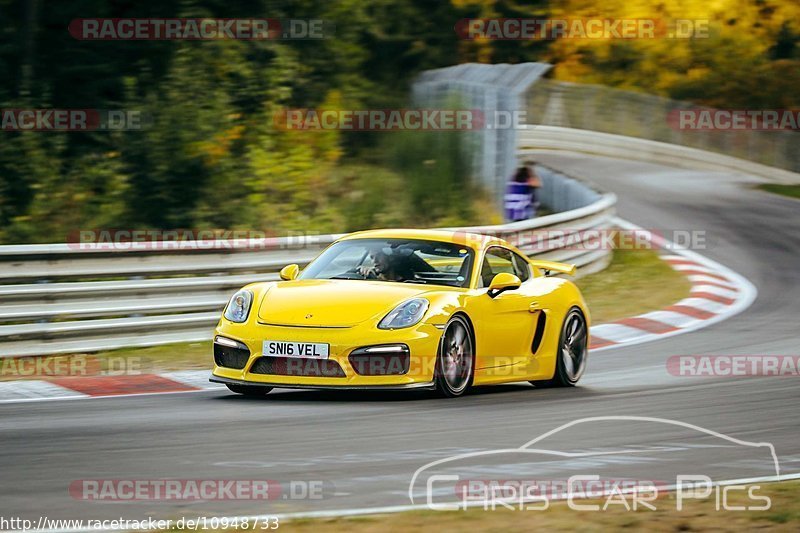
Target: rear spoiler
{"x": 554, "y": 266}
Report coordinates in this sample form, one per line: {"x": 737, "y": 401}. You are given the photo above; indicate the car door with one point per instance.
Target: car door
{"x": 505, "y": 324}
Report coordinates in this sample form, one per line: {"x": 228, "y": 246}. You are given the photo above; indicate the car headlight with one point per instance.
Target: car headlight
{"x": 239, "y": 306}
{"x": 405, "y": 315}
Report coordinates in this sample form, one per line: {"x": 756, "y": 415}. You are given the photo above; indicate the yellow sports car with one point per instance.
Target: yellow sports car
{"x": 406, "y": 309}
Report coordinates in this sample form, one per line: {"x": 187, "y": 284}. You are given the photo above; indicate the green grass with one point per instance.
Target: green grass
{"x": 696, "y": 515}
{"x": 636, "y": 282}
{"x": 183, "y": 356}
{"x": 792, "y": 191}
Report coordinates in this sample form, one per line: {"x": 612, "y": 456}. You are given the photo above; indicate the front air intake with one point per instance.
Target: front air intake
{"x": 231, "y": 354}
{"x": 385, "y": 360}
{"x": 296, "y": 366}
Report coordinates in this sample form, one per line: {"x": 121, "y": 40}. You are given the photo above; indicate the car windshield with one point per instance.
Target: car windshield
{"x": 397, "y": 260}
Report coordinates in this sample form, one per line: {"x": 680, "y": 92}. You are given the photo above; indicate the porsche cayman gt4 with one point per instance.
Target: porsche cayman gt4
{"x": 406, "y": 309}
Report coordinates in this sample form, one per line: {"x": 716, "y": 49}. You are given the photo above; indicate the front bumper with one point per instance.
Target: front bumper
{"x": 422, "y": 341}
{"x": 406, "y": 386}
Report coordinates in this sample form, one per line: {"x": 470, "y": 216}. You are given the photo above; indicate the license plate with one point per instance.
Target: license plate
{"x": 304, "y": 350}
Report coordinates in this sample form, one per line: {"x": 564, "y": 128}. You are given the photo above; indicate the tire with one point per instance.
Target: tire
{"x": 573, "y": 351}
{"x": 455, "y": 360}
{"x": 250, "y": 391}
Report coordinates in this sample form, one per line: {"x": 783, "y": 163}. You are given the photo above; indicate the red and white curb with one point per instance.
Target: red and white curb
{"x": 717, "y": 293}
{"x": 76, "y": 388}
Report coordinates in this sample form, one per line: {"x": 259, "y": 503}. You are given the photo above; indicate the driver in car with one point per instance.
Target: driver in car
{"x": 383, "y": 268}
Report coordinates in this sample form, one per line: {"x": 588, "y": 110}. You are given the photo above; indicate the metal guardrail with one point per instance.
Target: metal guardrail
{"x": 58, "y": 298}
{"x": 550, "y": 138}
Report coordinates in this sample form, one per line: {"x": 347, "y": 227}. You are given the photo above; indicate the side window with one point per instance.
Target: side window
{"x": 521, "y": 268}
{"x": 496, "y": 261}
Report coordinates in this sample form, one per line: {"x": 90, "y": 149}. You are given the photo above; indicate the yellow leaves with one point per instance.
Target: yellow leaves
{"x": 487, "y": 7}
{"x": 218, "y": 147}
{"x": 573, "y": 70}
{"x": 484, "y": 54}
{"x": 739, "y": 37}
{"x": 233, "y": 134}
{"x": 288, "y": 175}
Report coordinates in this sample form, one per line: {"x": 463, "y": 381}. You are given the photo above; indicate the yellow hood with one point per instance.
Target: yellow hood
{"x": 333, "y": 303}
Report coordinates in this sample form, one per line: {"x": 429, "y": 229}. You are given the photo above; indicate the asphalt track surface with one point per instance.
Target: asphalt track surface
{"x": 366, "y": 446}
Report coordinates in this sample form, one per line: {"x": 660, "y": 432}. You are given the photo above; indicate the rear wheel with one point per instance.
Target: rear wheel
{"x": 249, "y": 390}
{"x": 573, "y": 351}
{"x": 456, "y": 359}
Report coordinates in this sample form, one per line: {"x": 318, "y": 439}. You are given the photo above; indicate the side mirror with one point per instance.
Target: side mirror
{"x": 503, "y": 282}
{"x": 289, "y": 272}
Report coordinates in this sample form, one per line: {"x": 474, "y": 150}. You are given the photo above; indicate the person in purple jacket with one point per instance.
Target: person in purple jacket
{"x": 521, "y": 198}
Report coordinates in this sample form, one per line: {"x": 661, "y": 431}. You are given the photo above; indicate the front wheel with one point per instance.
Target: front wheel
{"x": 249, "y": 390}
{"x": 456, "y": 359}
{"x": 573, "y": 351}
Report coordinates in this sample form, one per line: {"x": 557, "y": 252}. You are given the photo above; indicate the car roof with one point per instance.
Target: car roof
{"x": 473, "y": 240}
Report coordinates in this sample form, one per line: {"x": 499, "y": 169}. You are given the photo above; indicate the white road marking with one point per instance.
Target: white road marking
{"x": 673, "y": 257}
{"x": 704, "y": 304}
{"x": 713, "y": 289}
{"x": 72, "y": 395}
{"x": 618, "y": 333}
{"x": 697, "y": 268}
{"x": 702, "y": 278}
{"x": 676, "y": 320}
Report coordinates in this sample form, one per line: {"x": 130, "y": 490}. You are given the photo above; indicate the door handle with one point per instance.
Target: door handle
{"x": 534, "y": 307}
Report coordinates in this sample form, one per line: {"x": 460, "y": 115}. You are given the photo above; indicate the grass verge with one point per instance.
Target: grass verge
{"x": 696, "y": 515}
{"x": 792, "y": 191}
{"x": 183, "y": 356}
{"x": 636, "y": 282}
